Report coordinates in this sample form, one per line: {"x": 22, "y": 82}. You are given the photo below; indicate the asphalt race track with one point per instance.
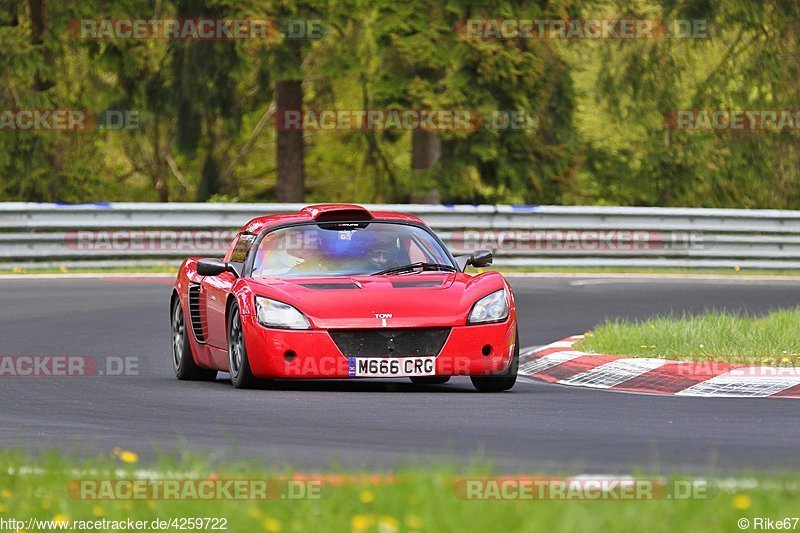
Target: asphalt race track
{"x": 535, "y": 427}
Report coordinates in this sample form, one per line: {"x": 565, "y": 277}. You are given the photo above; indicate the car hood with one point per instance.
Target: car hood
{"x": 416, "y": 300}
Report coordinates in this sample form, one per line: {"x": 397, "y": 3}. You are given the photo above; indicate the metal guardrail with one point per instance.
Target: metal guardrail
{"x": 46, "y": 235}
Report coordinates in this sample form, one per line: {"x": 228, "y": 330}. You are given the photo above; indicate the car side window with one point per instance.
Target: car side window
{"x": 416, "y": 253}
{"x": 244, "y": 242}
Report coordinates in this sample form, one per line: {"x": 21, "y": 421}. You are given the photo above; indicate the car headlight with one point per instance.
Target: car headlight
{"x": 275, "y": 314}
{"x": 492, "y": 308}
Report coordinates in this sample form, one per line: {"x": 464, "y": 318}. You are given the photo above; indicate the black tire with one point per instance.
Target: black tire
{"x": 238, "y": 363}
{"x": 430, "y": 380}
{"x": 182, "y": 361}
{"x": 502, "y": 381}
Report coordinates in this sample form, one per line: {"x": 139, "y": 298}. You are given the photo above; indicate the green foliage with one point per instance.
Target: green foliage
{"x": 749, "y": 62}
{"x": 596, "y": 131}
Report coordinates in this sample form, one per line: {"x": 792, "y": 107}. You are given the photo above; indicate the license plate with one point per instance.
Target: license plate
{"x": 391, "y": 367}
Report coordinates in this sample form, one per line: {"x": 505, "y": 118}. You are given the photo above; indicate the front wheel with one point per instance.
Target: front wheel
{"x": 238, "y": 364}
{"x": 501, "y": 381}
{"x": 182, "y": 361}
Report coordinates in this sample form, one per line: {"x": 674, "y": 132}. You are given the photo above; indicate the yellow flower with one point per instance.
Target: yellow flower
{"x": 652, "y": 346}
{"x": 5, "y": 493}
{"x": 643, "y": 346}
{"x": 741, "y": 502}
{"x": 587, "y": 334}
{"x": 254, "y": 512}
{"x": 98, "y": 511}
{"x": 63, "y": 269}
{"x": 61, "y": 519}
{"x": 366, "y": 497}
{"x": 785, "y": 360}
{"x": 413, "y": 522}
{"x": 272, "y": 525}
{"x": 737, "y": 268}
{"x": 652, "y": 326}
{"x": 361, "y": 522}
{"x": 129, "y": 457}
{"x": 388, "y": 524}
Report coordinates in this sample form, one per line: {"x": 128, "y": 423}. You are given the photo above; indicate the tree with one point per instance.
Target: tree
{"x": 747, "y": 62}
{"x": 290, "y": 148}
{"x": 428, "y": 66}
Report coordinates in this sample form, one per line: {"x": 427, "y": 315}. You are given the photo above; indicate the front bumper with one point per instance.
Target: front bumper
{"x": 312, "y": 354}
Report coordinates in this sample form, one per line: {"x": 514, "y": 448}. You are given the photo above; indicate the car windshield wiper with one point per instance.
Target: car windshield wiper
{"x": 413, "y": 266}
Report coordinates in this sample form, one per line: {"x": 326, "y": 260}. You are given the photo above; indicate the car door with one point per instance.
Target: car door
{"x": 215, "y": 290}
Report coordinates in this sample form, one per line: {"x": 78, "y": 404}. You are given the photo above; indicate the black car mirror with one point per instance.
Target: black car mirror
{"x": 211, "y": 267}
{"x": 480, "y": 258}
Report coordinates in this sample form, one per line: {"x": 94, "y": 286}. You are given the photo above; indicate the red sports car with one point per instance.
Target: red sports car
{"x": 337, "y": 291}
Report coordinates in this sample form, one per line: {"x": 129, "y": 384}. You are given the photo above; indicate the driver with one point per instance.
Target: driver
{"x": 383, "y": 255}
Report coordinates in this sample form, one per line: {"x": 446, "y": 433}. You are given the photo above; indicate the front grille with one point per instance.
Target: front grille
{"x": 195, "y": 312}
{"x": 390, "y": 342}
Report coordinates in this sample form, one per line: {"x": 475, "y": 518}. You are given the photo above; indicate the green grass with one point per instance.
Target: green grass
{"x": 771, "y": 340}
{"x": 419, "y": 499}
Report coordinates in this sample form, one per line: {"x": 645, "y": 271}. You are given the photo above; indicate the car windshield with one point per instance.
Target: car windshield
{"x": 344, "y": 249}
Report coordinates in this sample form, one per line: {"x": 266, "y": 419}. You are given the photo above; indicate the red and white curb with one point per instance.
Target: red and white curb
{"x": 559, "y": 363}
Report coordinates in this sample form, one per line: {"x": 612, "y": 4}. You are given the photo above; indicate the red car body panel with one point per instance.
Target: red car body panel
{"x": 423, "y": 300}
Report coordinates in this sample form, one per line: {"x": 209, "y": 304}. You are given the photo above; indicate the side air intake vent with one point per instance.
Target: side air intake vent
{"x": 195, "y": 312}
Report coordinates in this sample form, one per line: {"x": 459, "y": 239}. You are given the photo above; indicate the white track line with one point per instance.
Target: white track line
{"x": 753, "y": 382}
{"x": 613, "y": 373}
{"x": 538, "y": 364}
